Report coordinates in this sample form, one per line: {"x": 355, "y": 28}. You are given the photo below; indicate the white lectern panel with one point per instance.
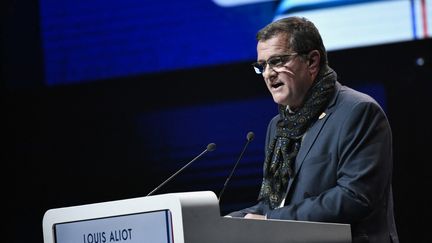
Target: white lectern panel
{"x": 134, "y": 228}
{"x": 192, "y": 217}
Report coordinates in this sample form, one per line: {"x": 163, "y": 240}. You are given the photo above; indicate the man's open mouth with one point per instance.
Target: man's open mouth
{"x": 276, "y": 85}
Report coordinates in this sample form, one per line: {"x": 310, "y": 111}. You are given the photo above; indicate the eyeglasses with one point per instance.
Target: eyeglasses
{"x": 273, "y": 62}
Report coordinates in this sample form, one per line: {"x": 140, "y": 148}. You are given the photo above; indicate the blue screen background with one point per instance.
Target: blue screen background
{"x": 93, "y": 40}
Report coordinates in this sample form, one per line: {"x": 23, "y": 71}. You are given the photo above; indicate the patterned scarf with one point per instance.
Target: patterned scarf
{"x": 282, "y": 150}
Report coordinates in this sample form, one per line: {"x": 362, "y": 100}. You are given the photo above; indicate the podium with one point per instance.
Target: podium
{"x": 190, "y": 217}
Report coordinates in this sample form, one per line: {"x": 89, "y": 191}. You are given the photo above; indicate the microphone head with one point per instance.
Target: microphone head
{"x": 211, "y": 146}
{"x": 250, "y": 136}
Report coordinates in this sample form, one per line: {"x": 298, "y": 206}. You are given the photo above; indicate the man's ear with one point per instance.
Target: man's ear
{"x": 314, "y": 58}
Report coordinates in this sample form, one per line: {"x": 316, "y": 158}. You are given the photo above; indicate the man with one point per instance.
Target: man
{"x": 329, "y": 151}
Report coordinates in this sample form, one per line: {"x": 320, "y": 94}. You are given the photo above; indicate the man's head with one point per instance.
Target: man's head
{"x": 302, "y": 35}
{"x": 290, "y": 56}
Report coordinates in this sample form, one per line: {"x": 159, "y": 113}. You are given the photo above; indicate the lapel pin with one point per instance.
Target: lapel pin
{"x": 322, "y": 115}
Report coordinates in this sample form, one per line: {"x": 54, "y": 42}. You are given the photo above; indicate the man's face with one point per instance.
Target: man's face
{"x": 290, "y": 82}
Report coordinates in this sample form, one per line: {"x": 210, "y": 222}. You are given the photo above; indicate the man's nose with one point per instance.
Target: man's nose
{"x": 268, "y": 73}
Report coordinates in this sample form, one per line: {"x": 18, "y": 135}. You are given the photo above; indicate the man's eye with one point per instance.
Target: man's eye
{"x": 275, "y": 61}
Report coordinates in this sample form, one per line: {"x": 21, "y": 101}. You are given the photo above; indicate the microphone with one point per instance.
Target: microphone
{"x": 250, "y": 136}
{"x": 210, "y": 147}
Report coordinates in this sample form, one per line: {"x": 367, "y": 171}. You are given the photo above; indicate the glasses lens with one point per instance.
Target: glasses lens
{"x": 273, "y": 62}
{"x": 277, "y": 61}
{"x": 258, "y": 67}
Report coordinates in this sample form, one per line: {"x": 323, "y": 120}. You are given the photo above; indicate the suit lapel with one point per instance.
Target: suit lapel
{"x": 307, "y": 143}
{"x": 309, "y": 140}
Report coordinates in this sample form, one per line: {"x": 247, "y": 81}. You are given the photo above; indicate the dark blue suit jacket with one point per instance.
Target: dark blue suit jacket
{"x": 343, "y": 171}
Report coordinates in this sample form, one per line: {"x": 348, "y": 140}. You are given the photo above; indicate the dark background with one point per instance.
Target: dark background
{"x": 84, "y": 143}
